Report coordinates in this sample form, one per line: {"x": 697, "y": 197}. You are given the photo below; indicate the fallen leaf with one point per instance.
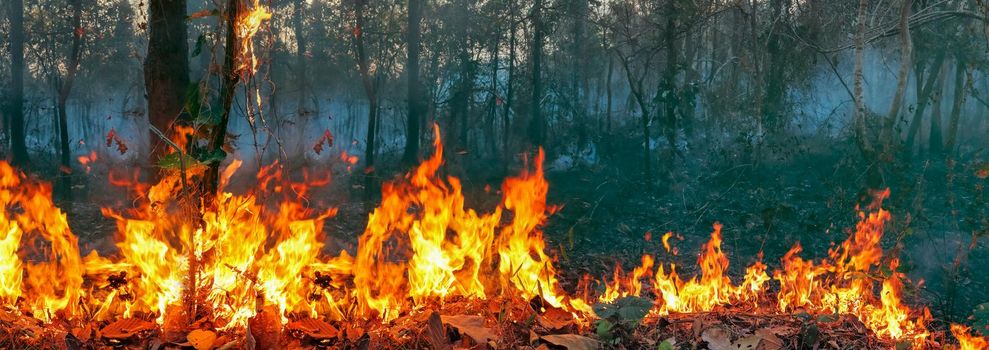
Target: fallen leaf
{"x": 472, "y": 326}
{"x": 746, "y": 343}
{"x": 717, "y": 338}
{"x": 555, "y": 319}
{"x": 572, "y": 341}
{"x": 435, "y": 335}
{"x": 201, "y": 339}
{"x": 769, "y": 339}
{"x": 126, "y": 328}
{"x": 83, "y": 333}
{"x": 315, "y": 329}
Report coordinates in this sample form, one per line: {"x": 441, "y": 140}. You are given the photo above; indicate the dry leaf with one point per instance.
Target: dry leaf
{"x": 572, "y": 341}
{"x": 746, "y": 343}
{"x": 769, "y": 339}
{"x": 315, "y": 329}
{"x": 717, "y": 338}
{"x": 436, "y": 335}
{"x": 266, "y": 328}
{"x": 201, "y": 339}
{"x": 472, "y": 326}
{"x": 83, "y": 333}
{"x": 555, "y": 319}
{"x": 126, "y": 328}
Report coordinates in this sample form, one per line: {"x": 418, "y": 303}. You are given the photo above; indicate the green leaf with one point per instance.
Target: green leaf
{"x": 173, "y": 161}
{"x": 627, "y": 309}
{"x": 199, "y": 45}
{"x": 827, "y": 318}
{"x": 666, "y": 345}
{"x": 192, "y": 101}
{"x": 603, "y": 329}
{"x": 212, "y": 157}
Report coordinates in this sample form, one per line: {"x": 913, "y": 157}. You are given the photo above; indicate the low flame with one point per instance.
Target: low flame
{"x": 967, "y": 340}
{"x": 422, "y": 245}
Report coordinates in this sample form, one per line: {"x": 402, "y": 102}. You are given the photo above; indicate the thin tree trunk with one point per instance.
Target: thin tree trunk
{"x": 166, "y": 68}
{"x": 229, "y": 79}
{"x": 611, "y": 70}
{"x": 906, "y": 54}
{"x": 370, "y": 92}
{"x": 923, "y": 99}
{"x": 961, "y": 92}
{"x": 635, "y": 86}
{"x": 302, "y": 77}
{"x": 414, "y": 90}
{"x": 537, "y": 124}
{"x": 506, "y": 115}
{"x": 861, "y": 133}
{"x": 936, "y": 139}
{"x": 18, "y": 148}
{"x": 65, "y": 180}
{"x": 489, "y": 132}
{"x": 669, "y": 81}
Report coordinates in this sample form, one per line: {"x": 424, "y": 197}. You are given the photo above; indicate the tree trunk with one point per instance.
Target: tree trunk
{"x": 773, "y": 99}
{"x": 18, "y": 148}
{"x": 886, "y": 138}
{"x": 537, "y": 123}
{"x": 961, "y": 92}
{"x": 415, "y": 97}
{"x": 166, "y": 68}
{"x": 489, "y": 132}
{"x": 302, "y": 77}
{"x": 506, "y": 114}
{"x": 65, "y": 180}
{"x": 363, "y": 66}
{"x": 669, "y": 80}
{"x": 923, "y": 99}
{"x": 861, "y": 133}
{"x": 229, "y": 79}
{"x": 935, "y": 139}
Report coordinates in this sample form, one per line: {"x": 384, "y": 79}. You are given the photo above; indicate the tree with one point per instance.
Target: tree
{"x": 166, "y": 68}
{"x": 415, "y": 95}
{"x": 537, "y": 122}
{"x": 370, "y": 89}
{"x": 18, "y": 148}
{"x": 64, "y": 89}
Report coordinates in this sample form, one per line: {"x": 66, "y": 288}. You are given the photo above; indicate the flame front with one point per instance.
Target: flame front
{"x": 421, "y": 245}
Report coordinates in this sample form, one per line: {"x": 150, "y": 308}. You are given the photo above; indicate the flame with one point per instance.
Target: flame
{"x": 422, "y": 245}
{"x": 968, "y": 341}
{"x": 247, "y": 25}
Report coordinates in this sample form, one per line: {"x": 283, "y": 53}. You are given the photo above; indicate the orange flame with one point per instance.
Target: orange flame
{"x": 421, "y": 245}
{"x": 968, "y": 341}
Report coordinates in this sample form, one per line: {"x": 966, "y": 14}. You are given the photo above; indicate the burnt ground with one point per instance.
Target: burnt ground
{"x": 807, "y": 197}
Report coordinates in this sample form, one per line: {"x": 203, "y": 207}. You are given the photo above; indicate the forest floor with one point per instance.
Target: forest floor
{"x": 810, "y": 198}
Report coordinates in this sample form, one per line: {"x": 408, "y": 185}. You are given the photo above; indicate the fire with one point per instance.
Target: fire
{"x": 842, "y": 284}
{"x": 968, "y": 341}
{"x": 422, "y": 246}
{"x": 247, "y": 25}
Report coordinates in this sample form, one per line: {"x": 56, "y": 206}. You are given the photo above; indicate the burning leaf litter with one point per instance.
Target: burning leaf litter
{"x": 252, "y": 276}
